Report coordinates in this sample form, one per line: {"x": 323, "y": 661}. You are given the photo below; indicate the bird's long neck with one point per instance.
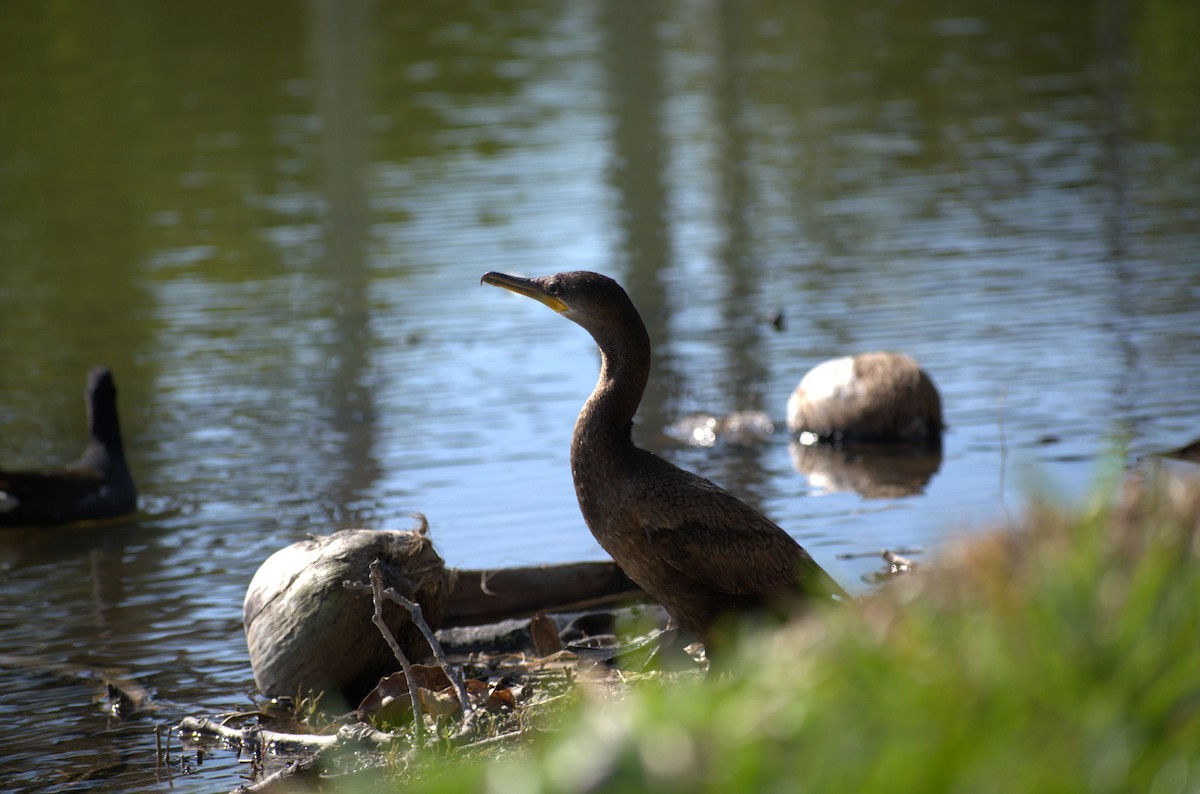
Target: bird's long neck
{"x": 104, "y": 447}
{"x": 607, "y": 417}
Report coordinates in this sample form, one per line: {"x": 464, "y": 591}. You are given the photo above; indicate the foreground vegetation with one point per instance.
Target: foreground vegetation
{"x": 1064, "y": 656}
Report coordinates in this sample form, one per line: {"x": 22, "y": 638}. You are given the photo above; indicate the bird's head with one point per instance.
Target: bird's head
{"x": 592, "y": 300}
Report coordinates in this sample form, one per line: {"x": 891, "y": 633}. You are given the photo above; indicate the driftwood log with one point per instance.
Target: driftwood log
{"x": 306, "y": 630}
{"x": 489, "y": 596}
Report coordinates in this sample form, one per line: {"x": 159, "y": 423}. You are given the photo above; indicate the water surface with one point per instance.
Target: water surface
{"x": 271, "y": 224}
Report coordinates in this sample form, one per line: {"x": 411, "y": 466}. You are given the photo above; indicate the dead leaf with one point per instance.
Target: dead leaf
{"x": 438, "y": 704}
{"x": 477, "y": 688}
{"x": 503, "y": 697}
{"x": 390, "y": 701}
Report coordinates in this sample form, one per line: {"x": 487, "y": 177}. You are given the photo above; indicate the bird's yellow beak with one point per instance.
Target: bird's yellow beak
{"x": 528, "y": 287}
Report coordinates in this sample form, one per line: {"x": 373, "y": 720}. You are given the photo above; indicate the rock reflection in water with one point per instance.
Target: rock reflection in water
{"x": 874, "y": 471}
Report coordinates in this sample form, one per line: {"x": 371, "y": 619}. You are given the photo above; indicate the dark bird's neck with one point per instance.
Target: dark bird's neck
{"x": 104, "y": 448}
{"x": 605, "y": 423}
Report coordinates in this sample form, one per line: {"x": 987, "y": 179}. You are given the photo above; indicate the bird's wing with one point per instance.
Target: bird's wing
{"x": 703, "y": 531}
{"x": 733, "y": 548}
{"x": 729, "y": 559}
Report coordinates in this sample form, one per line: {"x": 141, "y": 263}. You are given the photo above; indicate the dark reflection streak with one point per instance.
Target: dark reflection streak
{"x": 741, "y": 300}
{"x": 731, "y": 112}
{"x": 1111, "y": 51}
{"x": 339, "y": 43}
{"x": 108, "y": 583}
{"x": 634, "y": 68}
{"x": 1111, "y": 24}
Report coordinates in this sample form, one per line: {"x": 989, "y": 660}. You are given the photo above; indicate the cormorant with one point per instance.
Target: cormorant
{"x": 695, "y": 548}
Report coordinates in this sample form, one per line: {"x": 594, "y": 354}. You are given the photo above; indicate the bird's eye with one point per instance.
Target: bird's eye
{"x": 552, "y": 288}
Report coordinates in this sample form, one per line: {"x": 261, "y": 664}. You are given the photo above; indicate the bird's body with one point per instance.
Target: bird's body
{"x": 98, "y": 485}
{"x": 691, "y": 545}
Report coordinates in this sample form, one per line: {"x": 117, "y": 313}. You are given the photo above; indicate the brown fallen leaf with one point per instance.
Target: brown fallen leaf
{"x": 477, "y": 689}
{"x": 503, "y": 696}
{"x": 441, "y": 703}
{"x": 390, "y": 701}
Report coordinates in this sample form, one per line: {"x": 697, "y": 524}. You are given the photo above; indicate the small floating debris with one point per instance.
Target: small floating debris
{"x": 705, "y": 430}
{"x": 897, "y": 563}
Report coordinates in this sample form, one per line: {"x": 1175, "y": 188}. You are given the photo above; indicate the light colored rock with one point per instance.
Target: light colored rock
{"x": 868, "y": 397}
{"x": 306, "y": 631}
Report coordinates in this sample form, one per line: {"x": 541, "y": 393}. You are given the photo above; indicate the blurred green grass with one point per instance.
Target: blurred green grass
{"x": 1062, "y": 656}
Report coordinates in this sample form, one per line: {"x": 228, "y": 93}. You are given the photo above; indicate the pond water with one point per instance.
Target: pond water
{"x": 271, "y": 221}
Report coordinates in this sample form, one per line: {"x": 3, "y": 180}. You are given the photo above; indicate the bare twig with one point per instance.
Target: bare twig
{"x": 289, "y": 743}
{"x": 451, "y": 671}
{"x": 317, "y": 750}
{"x": 377, "y": 593}
{"x": 301, "y": 770}
{"x": 500, "y": 738}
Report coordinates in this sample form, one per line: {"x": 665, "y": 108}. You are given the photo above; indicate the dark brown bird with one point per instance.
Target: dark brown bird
{"x": 98, "y": 485}
{"x": 695, "y": 548}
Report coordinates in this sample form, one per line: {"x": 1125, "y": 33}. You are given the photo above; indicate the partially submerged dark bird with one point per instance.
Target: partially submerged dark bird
{"x": 98, "y": 485}
{"x": 695, "y": 548}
